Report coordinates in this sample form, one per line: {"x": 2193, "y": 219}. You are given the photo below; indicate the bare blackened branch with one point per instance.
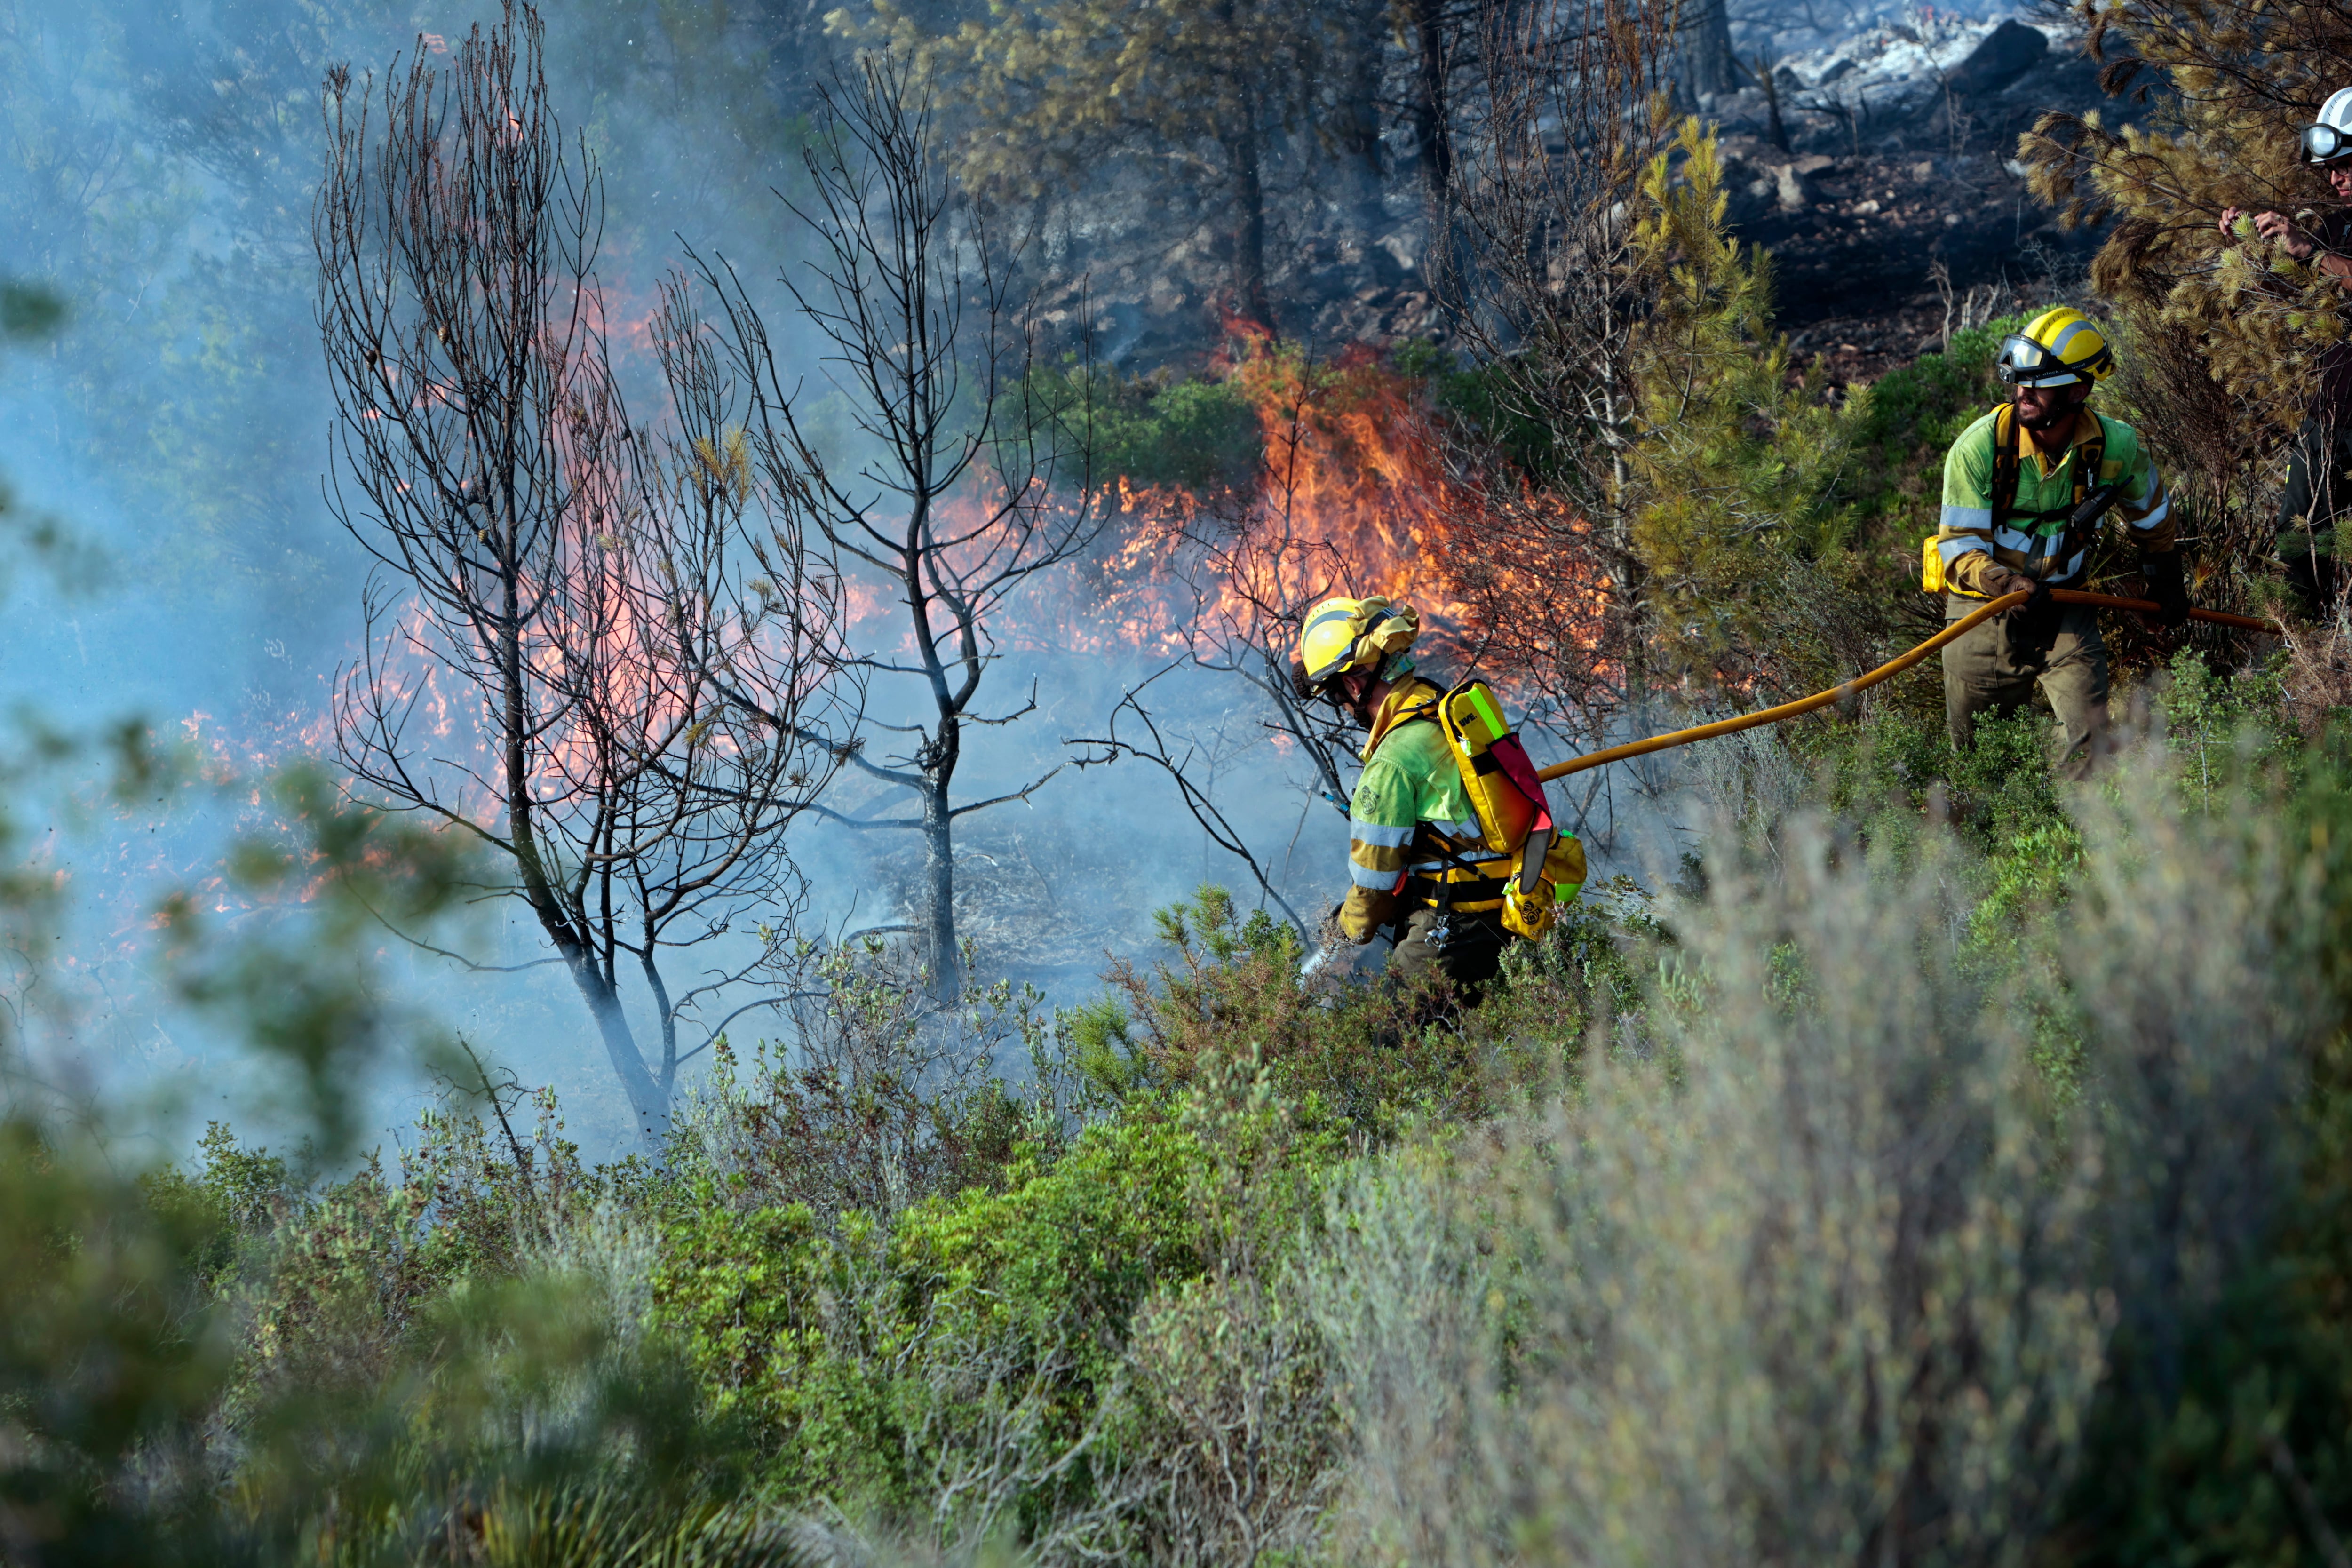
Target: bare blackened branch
{"x": 975, "y": 489}
{"x": 1180, "y": 762}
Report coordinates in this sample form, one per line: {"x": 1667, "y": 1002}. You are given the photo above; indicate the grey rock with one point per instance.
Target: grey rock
{"x": 1403, "y": 247}
{"x": 2008, "y": 52}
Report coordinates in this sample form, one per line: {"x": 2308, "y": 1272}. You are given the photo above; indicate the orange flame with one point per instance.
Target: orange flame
{"x": 1355, "y": 495}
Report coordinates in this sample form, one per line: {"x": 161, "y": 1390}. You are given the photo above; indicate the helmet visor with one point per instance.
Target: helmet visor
{"x": 2326, "y": 144}
{"x": 2024, "y": 362}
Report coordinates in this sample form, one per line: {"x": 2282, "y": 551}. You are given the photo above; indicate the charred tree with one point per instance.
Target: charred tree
{"x": 1244, "y": 154}
{"x": 1356, "y": 141}
{"x": 1430, "y": 106}
{"x": 558, "y": 616}
{"x": 1236, "y": 97}
{"x": 979, "y": 480}
{"x": 1708, "y": 63}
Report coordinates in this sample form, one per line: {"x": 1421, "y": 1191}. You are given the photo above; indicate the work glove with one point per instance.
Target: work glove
{"x": 2035, "y": 620}
{"x": 2162, "y": 574}
{"x": 2000, "y": 581}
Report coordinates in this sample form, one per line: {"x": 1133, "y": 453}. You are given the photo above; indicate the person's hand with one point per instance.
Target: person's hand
{"x": 2001, "y": 582}
{"x": 2230, "y": 216}
{"x": 2280, "y": 229}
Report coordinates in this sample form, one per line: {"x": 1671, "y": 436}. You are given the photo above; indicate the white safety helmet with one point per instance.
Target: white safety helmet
{"x": 2328, "y": 140}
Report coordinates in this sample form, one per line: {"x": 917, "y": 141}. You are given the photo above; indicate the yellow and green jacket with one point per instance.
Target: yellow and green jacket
{"x": 2027, "y": 531}
{"x": 1410, "y": 812}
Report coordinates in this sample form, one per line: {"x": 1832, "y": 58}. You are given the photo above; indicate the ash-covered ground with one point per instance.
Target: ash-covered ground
{"x": 1895, "y": 156}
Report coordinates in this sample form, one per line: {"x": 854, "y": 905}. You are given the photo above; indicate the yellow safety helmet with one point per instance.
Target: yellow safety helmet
{"x": 2058, "y": 348}
{"x": 1342, "y": 636}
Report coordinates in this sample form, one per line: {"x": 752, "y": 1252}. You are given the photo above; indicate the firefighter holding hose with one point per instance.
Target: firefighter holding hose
{"x": 2025, "y": 491}
{"x": 1451, "y": 850}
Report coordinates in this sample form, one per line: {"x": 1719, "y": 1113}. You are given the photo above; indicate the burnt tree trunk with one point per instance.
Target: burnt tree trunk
{"x": 1246, "y": 153}
{"x": 1359, "y": 132}
{"x": 648, "y": 1097}
{"x": 935, "y": 760}
{"x": 940, "y": 954}
{"x": 1706, "y": 48}
{"x": 1433, "y": 109}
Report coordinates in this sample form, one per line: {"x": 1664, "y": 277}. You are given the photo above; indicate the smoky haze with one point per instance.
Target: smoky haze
{"x": 157, "y": 168}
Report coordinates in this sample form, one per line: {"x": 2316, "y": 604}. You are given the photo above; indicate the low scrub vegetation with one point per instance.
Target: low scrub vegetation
{"x": 1947, "y": 1169}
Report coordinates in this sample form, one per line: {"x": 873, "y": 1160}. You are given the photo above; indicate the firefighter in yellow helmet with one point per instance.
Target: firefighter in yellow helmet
{"x": 2027, "y": 489}
{"x": 1420, "y": 861}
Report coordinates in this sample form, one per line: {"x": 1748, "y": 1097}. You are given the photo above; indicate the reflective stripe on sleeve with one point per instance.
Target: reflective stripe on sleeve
{"x": 1964, "y": 519}
{"x": 2163, "y": 509}
{"x": 1365, "y": 877}
{"x": 1951, "y": 549}
{"x": 1364, "y": 832}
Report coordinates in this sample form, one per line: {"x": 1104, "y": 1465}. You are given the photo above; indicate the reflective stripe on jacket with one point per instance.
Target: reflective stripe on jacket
{"x": 1967, "y": 536}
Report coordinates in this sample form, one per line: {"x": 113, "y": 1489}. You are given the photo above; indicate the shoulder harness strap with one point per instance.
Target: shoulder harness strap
{"x": 2005, "y": 473}
{"x": 2089, "y": 459}
{"x": 2008, "y": 472}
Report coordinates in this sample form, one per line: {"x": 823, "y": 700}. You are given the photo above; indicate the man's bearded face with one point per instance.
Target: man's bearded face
{"x": 2044, "y": 409}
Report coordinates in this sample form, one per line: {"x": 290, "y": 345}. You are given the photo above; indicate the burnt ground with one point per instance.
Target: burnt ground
{"x": 1900, "y": 143}
{"x": 1855, "y": 267}
{"x": 1857, "y": 218}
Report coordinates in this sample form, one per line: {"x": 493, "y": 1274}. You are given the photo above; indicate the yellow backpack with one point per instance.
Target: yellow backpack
{"x": 1513, "y": 813}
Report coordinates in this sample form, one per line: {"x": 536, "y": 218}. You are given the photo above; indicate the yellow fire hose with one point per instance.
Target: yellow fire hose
{"x": 1886, "y": 672}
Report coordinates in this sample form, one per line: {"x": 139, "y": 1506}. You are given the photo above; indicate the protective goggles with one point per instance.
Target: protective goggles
{"x": 2024, "y": 362}
{"x": 2325, "y": 143}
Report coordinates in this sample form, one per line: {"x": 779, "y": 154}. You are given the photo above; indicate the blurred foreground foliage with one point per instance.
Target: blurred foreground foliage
{"x": 1930, "y": 1076}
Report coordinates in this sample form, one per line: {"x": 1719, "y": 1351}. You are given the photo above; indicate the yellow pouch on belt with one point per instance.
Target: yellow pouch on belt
{"x": 1531, "y": 914}
{"x": 1931, "y": 567}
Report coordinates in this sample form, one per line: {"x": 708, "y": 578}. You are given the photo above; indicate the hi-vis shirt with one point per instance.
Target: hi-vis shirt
{"x": 1967, "y": 537}
{"x": 1409, "y": 781}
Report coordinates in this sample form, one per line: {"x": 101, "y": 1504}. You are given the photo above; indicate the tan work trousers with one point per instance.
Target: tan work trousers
{"x": 1996, "y": 666}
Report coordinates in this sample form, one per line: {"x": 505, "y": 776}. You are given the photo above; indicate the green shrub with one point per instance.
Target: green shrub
{"x": 1911, "y": 417}
{"x": 1201, "y": 435}
{"x": 774, "y": 1320}
{"x": 1367, "y": 1055}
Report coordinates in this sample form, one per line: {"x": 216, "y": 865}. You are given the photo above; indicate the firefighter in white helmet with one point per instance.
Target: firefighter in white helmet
{"x": 1423, "y": 863}
{"x": 2319, "y": 475}
{"x": 2022, "y": 489}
